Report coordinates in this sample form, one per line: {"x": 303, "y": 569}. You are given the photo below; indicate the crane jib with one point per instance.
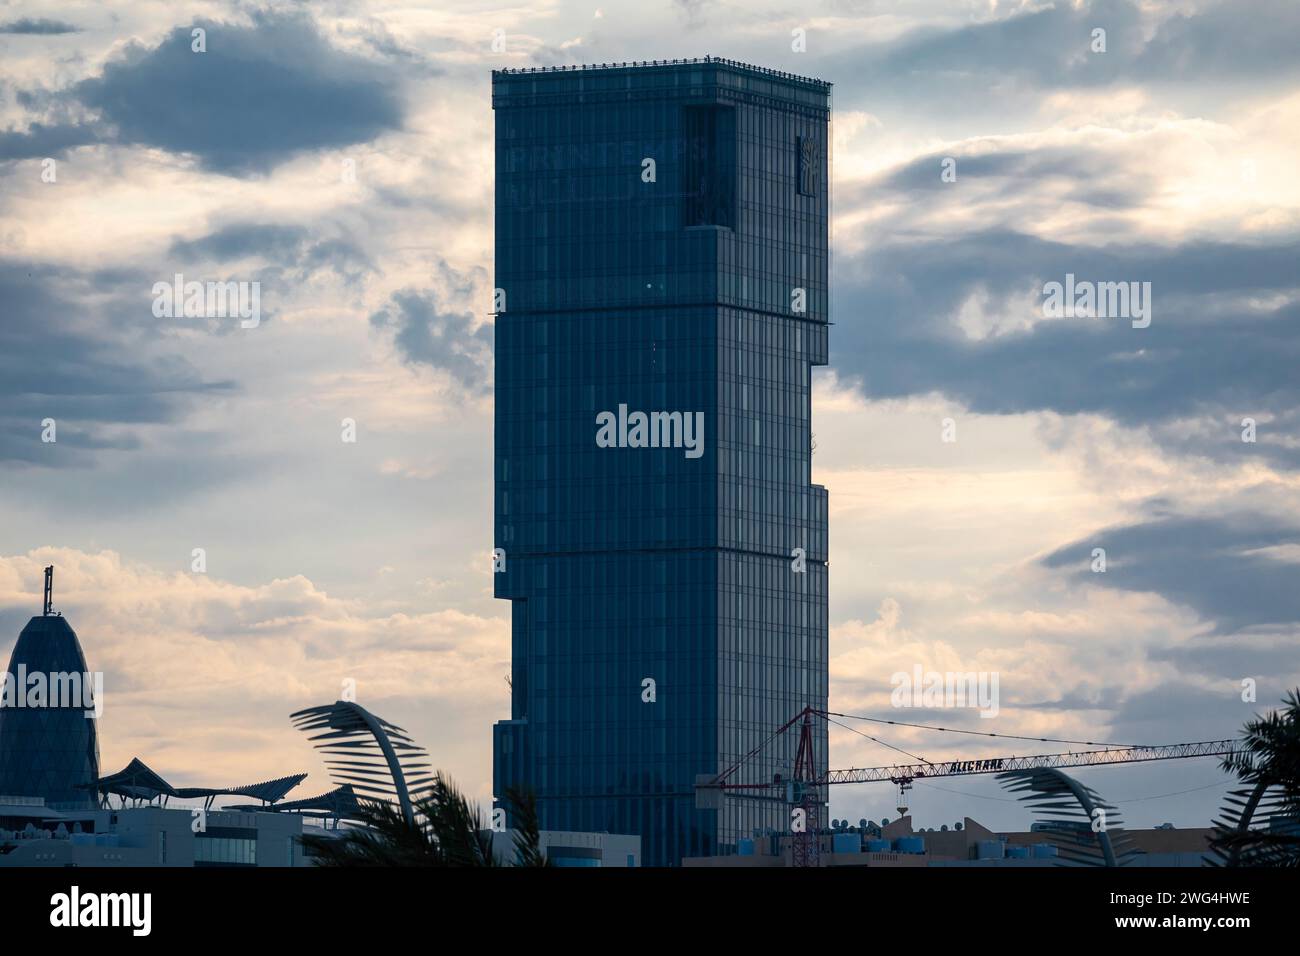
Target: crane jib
{"x": 905, "y": 773}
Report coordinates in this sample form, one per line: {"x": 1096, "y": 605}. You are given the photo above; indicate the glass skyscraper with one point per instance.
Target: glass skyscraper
{"x": 662, "y": 295}
{"x": 48, "y": 751}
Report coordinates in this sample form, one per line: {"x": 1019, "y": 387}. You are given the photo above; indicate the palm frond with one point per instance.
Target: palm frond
{"x": 527, "y": 826}
{"x": 1259, "y": 824}
{"x": 1085, "y": 830}
{"x": 456, "y": 827}
{"x": 447, "y": 831}
{"x": 384, "y": 838}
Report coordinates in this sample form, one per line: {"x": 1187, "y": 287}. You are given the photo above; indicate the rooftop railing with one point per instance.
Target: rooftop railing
{"x": 691, "y": 61}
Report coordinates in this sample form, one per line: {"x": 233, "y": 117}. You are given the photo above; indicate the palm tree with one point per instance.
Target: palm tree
{"x": 1269, "y": 764}
{"x": 528, "y": 828}
{"x": 448, "y": 831}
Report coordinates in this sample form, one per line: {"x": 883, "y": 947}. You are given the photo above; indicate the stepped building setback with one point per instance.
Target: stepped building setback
{"x": 662, "y": 267}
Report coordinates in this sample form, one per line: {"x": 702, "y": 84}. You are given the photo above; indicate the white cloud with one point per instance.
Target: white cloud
{"x": 201, "y": 674}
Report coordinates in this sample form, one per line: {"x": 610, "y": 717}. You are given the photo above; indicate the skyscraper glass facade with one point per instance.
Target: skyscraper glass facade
{"x": 48, "y": 751}
{"x": 662, "y": 281}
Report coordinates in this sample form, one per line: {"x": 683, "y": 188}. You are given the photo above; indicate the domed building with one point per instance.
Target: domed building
{"x": 46, "y": 750}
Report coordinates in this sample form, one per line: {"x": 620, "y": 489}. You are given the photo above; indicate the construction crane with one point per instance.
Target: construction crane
{"x": 806, "y": 773}
{"x": 803, "y": 790}
{"x": 906, "y": 773}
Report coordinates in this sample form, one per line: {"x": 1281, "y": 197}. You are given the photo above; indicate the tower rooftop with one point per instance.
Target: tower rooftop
{"x": 640, "y": 65}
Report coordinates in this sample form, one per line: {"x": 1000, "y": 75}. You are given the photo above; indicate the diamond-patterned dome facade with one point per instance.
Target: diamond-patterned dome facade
{"x": 48, "y": 751}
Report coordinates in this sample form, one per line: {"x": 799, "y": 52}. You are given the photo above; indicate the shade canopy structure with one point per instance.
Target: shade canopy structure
{"x": 341, "y": 803}
{"x": 137, "y": 781}
{"x": 268, "y": 791}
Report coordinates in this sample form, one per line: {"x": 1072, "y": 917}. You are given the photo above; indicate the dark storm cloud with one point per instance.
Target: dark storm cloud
{"x": 238, "y": 240}
{"x": 1242, "y": 38}
{"x": 41, "y": 140}
{"x": 1231, "y": 659}
{"x": 1104, "y": 699}
{"x": 1050, "y": 48}
{"x": 1101, "y": 181}
{"x": 53, "y": 367}
{"x": 296, "y": 251}
{"x": 281, "y": 258}
{"x": 1176, "y": 711}
{"x": 259, "y": 96}
{"x": 1214, "y": 565}
{"x": 1205, "y": 353}
{"x": 38, "y": 27}
{"x": 429, "y": 333}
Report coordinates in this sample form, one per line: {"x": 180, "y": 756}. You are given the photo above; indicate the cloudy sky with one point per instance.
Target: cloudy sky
{"x": 1169, "y": 158}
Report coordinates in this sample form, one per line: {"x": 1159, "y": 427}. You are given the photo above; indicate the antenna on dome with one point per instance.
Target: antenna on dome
{"x": 49, "y": 591}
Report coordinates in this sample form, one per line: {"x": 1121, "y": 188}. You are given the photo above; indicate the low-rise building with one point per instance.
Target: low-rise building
{"x": 568, "y": 848}
{"x": 897, "y": 844}
{"x": 34, "y": 835}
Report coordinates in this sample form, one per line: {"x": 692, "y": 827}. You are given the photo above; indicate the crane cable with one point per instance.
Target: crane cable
{"x": 1117, "y": 802}
{"x": 975, "y": 733}
{"x": 881, "y": 742}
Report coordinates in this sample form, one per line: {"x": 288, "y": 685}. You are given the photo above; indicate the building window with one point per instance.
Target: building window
{"x": 226, "y": 846}
{"x": 809, "y": 165}
{"x": 709, "y": 171}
